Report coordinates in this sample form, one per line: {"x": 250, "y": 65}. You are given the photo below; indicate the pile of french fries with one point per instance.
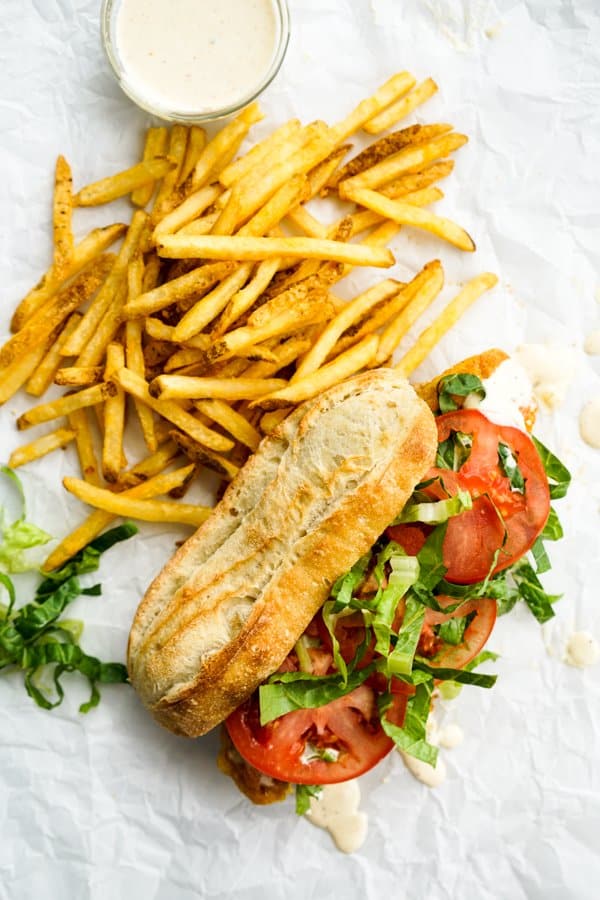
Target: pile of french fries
{"x": 217, "y": 314}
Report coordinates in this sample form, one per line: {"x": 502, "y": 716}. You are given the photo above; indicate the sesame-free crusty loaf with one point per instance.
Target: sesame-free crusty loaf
{"x": 229, "y": 606}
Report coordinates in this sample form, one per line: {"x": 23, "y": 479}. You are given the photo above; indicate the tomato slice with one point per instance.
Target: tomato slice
{"x": 284, "y": 748}
{"x": 476, "y": 535}
{"x": 455, "y": 656}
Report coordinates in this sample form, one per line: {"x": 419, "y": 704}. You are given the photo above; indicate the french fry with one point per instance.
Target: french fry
{"x": 203, "y": 225}
{"x": 368, "y": 217}
{"x": 409, "y": 159}
{"x": 14, "y": 376}
{"x": 269, "y": 148}
{"x": 134, "y": 353}
{"x": 417, "y": 181}
{"x": 106, "y": 295}
{"x": 54, "y": 409}
{"x": 271, "y": 420}
{"x": 151, "y": 465}
{"x": 257, "y": 248}
{"x": 229, "y": 138}
{"x": 79, "y": 376}
{"x": 152, "y": 265}
{"x": 62, "y": 213}
{"x": 108, "y": 189}
{"x": 182, "y": 387}
{"x": 129, "y": 507}
{"x": 93, "y": 245}
{"x": 192, "y": 283}
{"x": 445, "y": 321}
{"x": 40, "y": 447}
{"x": 169, "y": 409}
{"x": 192, "y": 207}
{"x": 394, "y": 87}
{"x": 234, "y": 423}
{"x": 351, "y": 313}
{"x": 289, "y": 195}
{"x": 382, "y": 235}
{"x": 344, "y": 365}
{"x": 408, "y": 214}
{"x": 93, "y": 353}
{"x": 195, "y": 145}
{"x": 99, "y": 520}
{"x": 167, "y": 195}
{"x": 213, "y": 461}
{"x": 155, "y": 145}
{"x": 114, "y": 418}
{"x": 401, "y": 108}
{"x": 185, "y": 357}
{"x": 302, "y": 219}
{"x": 422, "y": 291}
{"x": 245, "y": 298}
{"x": 209, "y": 306}
{"x": 323, "y": 171}
{"x": 79, "y": 423}
{"x": 43, "y": 375}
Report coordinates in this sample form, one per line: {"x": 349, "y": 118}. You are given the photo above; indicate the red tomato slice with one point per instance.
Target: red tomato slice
{"x": 350, "y": 632}
{"x": 474, "y": 536}
{"x": 455, "y": 656}
{"x": 349, "y": 725}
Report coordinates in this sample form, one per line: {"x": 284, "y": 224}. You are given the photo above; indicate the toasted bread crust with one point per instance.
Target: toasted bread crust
{"x": 230, "y": 605}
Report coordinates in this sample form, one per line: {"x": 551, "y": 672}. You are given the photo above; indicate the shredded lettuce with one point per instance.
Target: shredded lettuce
{"x": 510, "y": 466}
{"x": 454, "y": 451}
{"x": 404, "y": 573}
{"x": 435, "y": 513}
{"x": 453, "y": 631}
{"x": 400, "y": 660}
{"x": 20, "y": 535}
{"x": 411, "y": 738}
{"x": 556, "y": 472}
{"x": 288, "y": 691}
{"x": 304, "y": 793}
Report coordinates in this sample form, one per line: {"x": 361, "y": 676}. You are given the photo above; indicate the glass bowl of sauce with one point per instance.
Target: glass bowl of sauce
{"x": 194, "y": 60}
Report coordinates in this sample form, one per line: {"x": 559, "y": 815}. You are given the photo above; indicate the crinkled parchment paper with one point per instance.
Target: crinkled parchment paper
{"x": 109, "y": 806}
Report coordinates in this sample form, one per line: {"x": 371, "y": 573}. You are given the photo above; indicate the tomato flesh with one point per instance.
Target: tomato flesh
{"x": 456, "y": 656}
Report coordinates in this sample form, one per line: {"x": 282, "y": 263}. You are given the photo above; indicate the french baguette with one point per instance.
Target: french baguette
{"x": 229, "y": 606}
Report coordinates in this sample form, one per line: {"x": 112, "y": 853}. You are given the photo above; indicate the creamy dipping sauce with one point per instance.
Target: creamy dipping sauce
{"x": 592, "y": 343}
{"x": 582, "y": 650}
{"x": 336, "y": 810}
{"x": 551, "y": 369}
{"x": 589, "y": 423}
{"x": 423, "y": 772}
{"x": 451, "y": 736}
{"x": 195, "y": 56}
{"x": 508, "y": 395}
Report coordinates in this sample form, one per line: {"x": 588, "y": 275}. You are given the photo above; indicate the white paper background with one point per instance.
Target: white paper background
{"x": 108, "y": 805}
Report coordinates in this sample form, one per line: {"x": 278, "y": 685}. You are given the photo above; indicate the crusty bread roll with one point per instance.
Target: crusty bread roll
{"x": 229, "y": 606}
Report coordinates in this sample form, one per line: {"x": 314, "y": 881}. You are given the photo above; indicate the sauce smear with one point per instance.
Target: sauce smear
{"x": 194, "y": 56}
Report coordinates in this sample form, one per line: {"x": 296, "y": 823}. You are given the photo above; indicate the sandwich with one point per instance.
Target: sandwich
{"x": 358, "y": 561}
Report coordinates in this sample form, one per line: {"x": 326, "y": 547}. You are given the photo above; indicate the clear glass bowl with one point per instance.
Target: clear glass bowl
{"x": 108, "y": 19}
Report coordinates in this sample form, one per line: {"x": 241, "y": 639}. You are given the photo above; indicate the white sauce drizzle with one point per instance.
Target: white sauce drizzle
{"x": 551, "y": 369}
{"x": 423, "y": 772}
{"x": 589, "y": 423}
{"x": 336, "y": 810}
{"x": 194, "y": 56}
{"x": 508, "y": 392}
{"x": 592, "y": 343}
{"x": 451, "y": 736}
{"x": 582, "y": 650}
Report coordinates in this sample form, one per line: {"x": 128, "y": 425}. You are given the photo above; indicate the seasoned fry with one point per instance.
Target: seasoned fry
{"x": 409, "y": 159}
{"x": 15, "y": 375}
{"x": 192, "y": 207}
{"x": 114, "y": 418}
{"x": 134, "y": 352}
{"x": 44, "y": 374}
{"x": 247, "y": 296}
{"x": 199, "y": 455}
{"x": 129, "y": 507}
{"x": 115, "y": 186}
{"x": 422, "y": 291}
{"x": 271, "y": 420}
{"x": 417, "y": 181}
{"x": 195, "y": 145}
{"x": 289, "y": 195}
{"x": 168, "y": 409}
{"x": 445, "y": 321}
{"x": 402, "y": 108}
{"x": 181, "y": 387}
{"x": 394, "y": 87}
{"x": 155, "y": 146}
{"x": 151, "y": 465}
{"x": 79, "y": 423}
{"x": 227, "y": 417}
{"x": 229, "y": 138}
{"x": 368, "y": 217}
{"x": 99, "y": 520}
{"x": 186, "y": 357}
{"x": 337, "y": 370}
{"x": 307, "y": 223}
{"x": 195, "y": 282}
{"x": 269, "y": 148}
{"x": 254, "y": 248}
{"x": 167, "y": 195}
{"x": 204, "y": 225}
{"x": 93, "y": 353}
{"x": 45, "y": 412}
{"x": 62, "y": 212}
{"x": 408, "y": 214}
{"x": 40, "y": 447}
{"x": 79, "y": 376}
{"x": 209, "y": 306}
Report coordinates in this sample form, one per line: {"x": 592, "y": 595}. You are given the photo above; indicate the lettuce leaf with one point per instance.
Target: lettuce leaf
{"x": 20, "y": 535}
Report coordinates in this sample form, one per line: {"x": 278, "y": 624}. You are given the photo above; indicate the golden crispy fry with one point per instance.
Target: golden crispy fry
{"x": 199, "y": 455}
{"x": 93, "y": 353}
{"x": 195, "y": 145}
{"x": 151, "y": 465}
{"x": 203, "y": 225}
{"x": 402, "y": 108}
{"x": 376, "y": 319}
{"x": 106, "y": 295}
{"x": 417, "y": 181}
{"x": 234, "y": 423}
{"x": 394, "y": 87}
{"x": 156, "y": 329}
{"x": 344, "y": 365}
{"x": 45, "y": 412}
{"x": 351, "y": 313}
{"x": 269, "y": 148}
{"x": 79, "y": 376}
{"x": 168, "y": 409}
{"x": 62, "y": 214}
{"x": 408, "y": 214}
{"x": 227, "y": 139}
{"x": 44, "y": 374}
{"x": 253, "y": 248}
{"x": 99, "y": 520}
{"x": 96, "y": 242}
{"x": 209, "y": 306}
{"x": 79, "y": 423}
{"x": 40, "y": 447}
{"x": 134, "y": 353}
{"x": 195, "y": 282}
{"x": 323, "y": 171}
{"x": 115, "y": 186}
{"x": 445, "y": 321}
{"x": 192, "y": 207}
{"x": 155, "y": 146}
{"x": 114, "y": 418}
{"x": 15, "y": 375}
{"x": 367, "y": 218}
{"x": 271, "y": 420}
{"x": 307, "y": 223}
{"x": 409, "y": 159}
{"x": 146, "y": 510}
{"x": 185, "y": 357}
{"x": 182, "y": 387}
{"x": 289, "y": 195}
{"x": 247, "y": 296}
{"x": 422, "y": 291}
{"x": 167, "y": 196}
{"x": 58, "y": 308}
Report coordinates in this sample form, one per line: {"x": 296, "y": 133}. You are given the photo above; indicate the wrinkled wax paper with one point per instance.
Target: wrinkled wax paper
{"x": 108, "y": 805}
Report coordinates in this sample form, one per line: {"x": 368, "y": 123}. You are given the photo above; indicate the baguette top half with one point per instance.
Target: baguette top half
{"x": 229, "y": 606}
